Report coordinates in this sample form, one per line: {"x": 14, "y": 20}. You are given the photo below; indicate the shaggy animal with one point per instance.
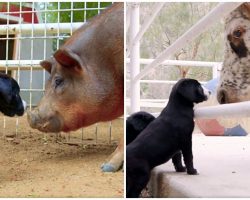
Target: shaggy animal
{"x": 11, "y": 103}
{"x": 234, "y": 85}
{"x": 168, "y": 134}
{"x": 136, "y": 123}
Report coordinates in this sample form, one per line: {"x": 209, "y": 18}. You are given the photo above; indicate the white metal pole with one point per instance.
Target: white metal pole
{"x": 134, "y": 57}
{"x": 147, "y": 22}
{"x": 215, "y": 71}
{"x": 241, "y": 109}
{"x": 39, "y": 28}
{"x": 127, "y": 18}
{"x": 219, "y": 11}
{"x": 180, "y": 62}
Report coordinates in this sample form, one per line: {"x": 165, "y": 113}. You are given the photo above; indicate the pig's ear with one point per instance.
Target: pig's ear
{"x": 47, "y": 65}
{"x": 69, "y": 59}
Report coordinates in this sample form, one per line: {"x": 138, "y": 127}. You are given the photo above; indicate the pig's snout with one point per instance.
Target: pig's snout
{"x": 44, "y": 124}
{"x": 33, "y": 118}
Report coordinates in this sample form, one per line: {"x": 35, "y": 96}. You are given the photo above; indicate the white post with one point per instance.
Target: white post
{"x": 215, "y": 71}
{"x": 134, "y": 58}
{"x": 127, "y": 18}
{"x": 147, "y": 22}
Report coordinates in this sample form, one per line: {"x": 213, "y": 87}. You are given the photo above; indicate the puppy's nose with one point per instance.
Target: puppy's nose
{"x": 206, "y": 91}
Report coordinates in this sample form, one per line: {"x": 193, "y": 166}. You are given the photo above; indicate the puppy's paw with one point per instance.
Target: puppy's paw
{"x": 180, "y": 169}
{"x": 192, "y": 172}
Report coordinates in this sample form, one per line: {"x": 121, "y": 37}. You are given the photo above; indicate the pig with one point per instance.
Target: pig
{"x": 11, "y": 103}
{"x": 86, "y": 83}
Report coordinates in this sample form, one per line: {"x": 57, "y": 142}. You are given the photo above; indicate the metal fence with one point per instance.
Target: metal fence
{"x": 31, "y": 32}
{"x": 159, "y": 103}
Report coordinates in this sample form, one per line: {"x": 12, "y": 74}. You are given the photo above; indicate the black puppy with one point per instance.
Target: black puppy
{"x": 10, "y": 101}
{"x": 168, "y": 134}
{"x": 136, "y": 123}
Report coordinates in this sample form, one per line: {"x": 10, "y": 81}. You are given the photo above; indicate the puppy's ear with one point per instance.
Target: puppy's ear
{"x": 189, "y": 90}
{"x": 200, "y": 90}
{"x": 186, "y": 90}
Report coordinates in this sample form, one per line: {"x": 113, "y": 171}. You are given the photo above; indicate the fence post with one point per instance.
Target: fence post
{"x": 134, "y": 58}
{"x": 215, "y": 71}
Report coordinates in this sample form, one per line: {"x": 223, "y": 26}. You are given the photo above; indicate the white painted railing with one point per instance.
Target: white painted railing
{"x": 50, "y": 28}
{"x": 160, "y": 103}
{"x": 20, "y": 64}
{"x": 241, "y": 109}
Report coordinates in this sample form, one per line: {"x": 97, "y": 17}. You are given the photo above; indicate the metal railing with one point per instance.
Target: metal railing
{"x": 160, "y": 103}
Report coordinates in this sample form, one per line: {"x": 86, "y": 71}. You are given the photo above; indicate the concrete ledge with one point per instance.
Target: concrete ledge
{"x": 223, "y": 164}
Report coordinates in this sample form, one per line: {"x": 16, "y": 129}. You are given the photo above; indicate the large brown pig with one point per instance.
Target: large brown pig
{"x": 86, "y": 81}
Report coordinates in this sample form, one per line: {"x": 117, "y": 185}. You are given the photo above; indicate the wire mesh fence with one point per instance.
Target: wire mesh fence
{"x": 31, "y": 32}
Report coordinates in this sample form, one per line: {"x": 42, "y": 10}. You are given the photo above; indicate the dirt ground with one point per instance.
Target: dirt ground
{"x": 33, "y": 164}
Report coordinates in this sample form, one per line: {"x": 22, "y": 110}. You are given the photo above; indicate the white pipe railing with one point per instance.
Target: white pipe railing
{"x": 135, "y": 56}
{"x": 147, "y": 22}
{"x": 160, "y": 81}
{"x": 215, "y": 65}
{"x": 127, "y": 18}
{"x": 147, "y": 103}
{"x": 9, "y": 17}
{"x": 241, "y": 109}
{"x": 20, "y": 64}
{"x": 180, "y": 62}
{"x": 39, "y": 28}
{"x": 202, "y": 25}
{"x": 160, "y": 103}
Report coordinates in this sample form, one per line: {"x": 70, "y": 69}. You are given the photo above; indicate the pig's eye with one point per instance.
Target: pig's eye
{"x": 58, "y": 81}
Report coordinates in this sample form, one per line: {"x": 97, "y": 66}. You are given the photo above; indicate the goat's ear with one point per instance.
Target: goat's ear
{"x": 245, "y": 8}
